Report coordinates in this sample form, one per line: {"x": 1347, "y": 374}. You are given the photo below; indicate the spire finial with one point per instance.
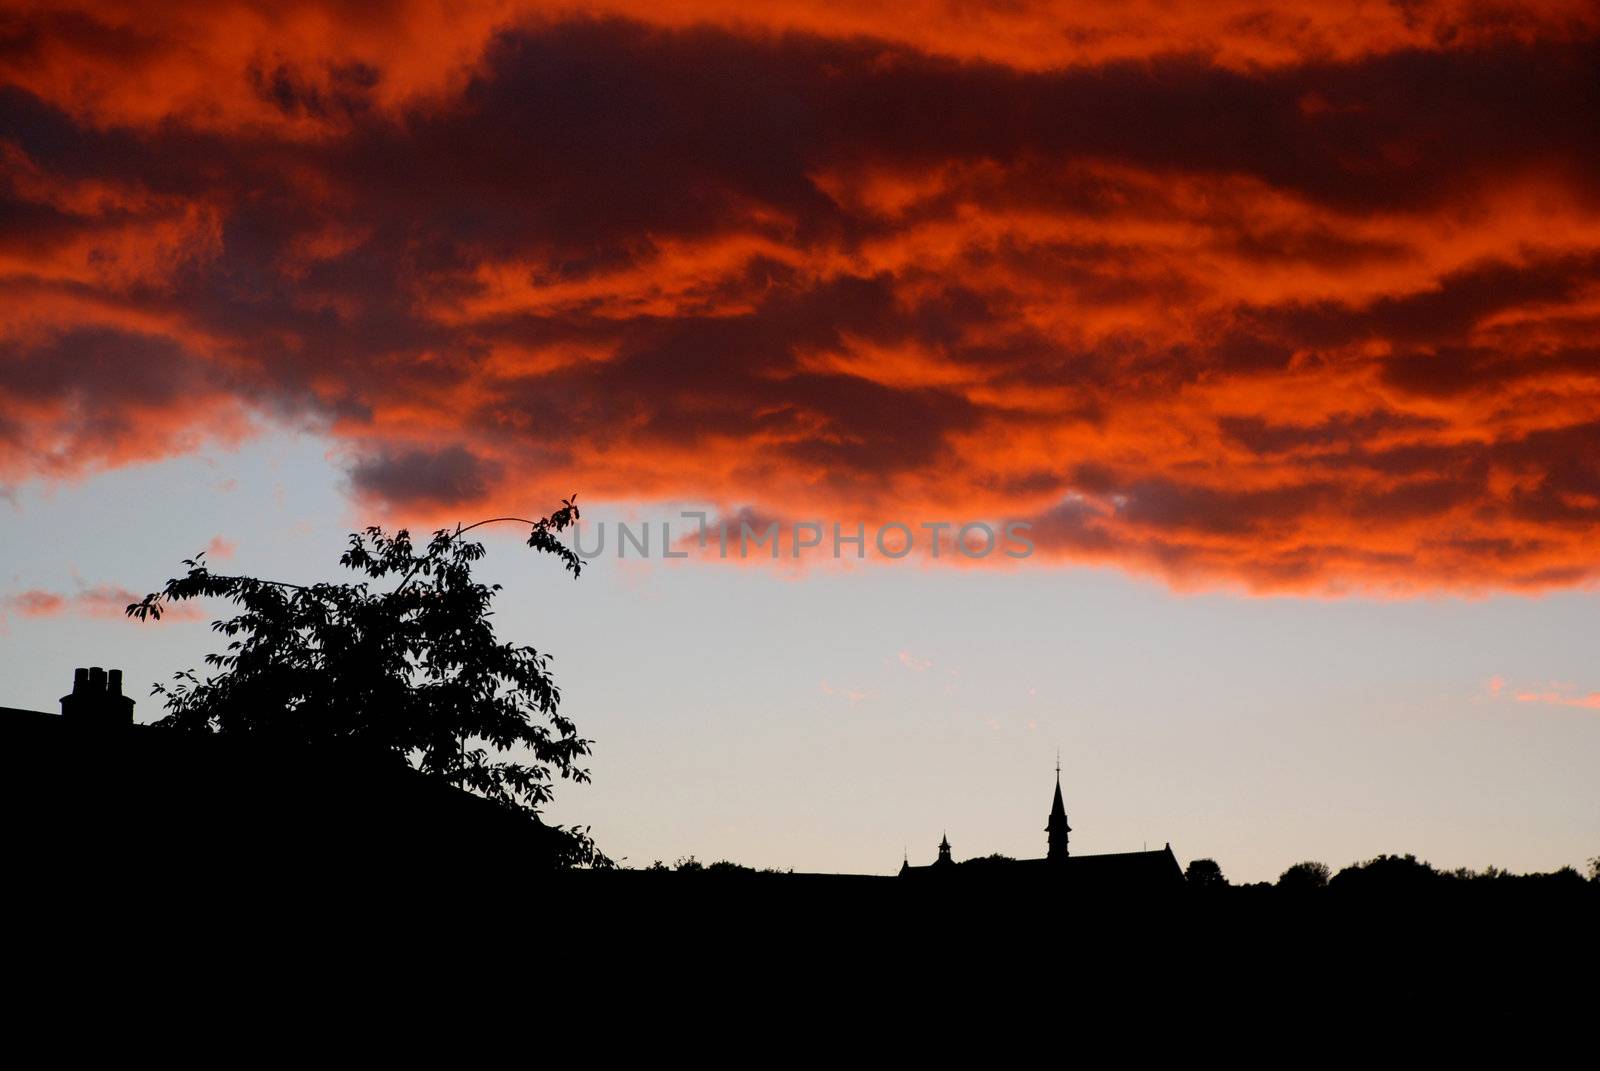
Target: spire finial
{"x": 1058, "y": 766}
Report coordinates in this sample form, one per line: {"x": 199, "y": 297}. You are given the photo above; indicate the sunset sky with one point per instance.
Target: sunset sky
{"x": 1279, "y": 323}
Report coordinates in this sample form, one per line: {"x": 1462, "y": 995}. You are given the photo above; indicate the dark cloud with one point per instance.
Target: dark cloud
{"x": 1323, "y": 320}
{"x": 1333, "y": 432}
{"x": 425, "y": 476}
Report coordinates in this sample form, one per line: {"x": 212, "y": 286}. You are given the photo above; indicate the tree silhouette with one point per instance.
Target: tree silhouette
{"x": 1390, "y": 874}
{"x": 414, "y": 671}
{"x": 1204, "y": 874}
{"x": 1307, "y": 875}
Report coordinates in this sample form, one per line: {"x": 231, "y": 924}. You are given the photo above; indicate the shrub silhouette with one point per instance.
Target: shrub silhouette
{"x": 1387, "y": 874}
{"x": 1307, "y": 875}
{"x": 1205, "y": 874}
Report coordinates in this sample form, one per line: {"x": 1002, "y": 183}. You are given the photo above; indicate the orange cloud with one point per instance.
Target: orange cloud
{"x": 1297, "y": 300}
{"x": 304, "y": 68}
{"x": 854, "y": 695}
{"x": 102, "y": 600}
{"x": 36, "y": 603}
{"x": 1588, "y": 702}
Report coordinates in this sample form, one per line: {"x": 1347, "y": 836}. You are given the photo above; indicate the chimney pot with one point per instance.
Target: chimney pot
{"x": 97, "y": 701}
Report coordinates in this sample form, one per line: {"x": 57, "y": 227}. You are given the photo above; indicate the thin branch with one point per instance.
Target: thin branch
{"x": 259, "y": 580}
{"x": 153, "y": 602}
{"x": 459, "y": 532}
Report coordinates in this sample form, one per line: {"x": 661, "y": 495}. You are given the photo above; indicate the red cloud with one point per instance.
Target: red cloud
{"x": 103, "y": 600}
{"x": 36, "y": 603}
{"x": 1562, "y": 699}
{"x": 1300, "y": 301}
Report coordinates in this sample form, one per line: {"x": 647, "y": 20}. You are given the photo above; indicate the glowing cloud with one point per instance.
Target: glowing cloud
{"x": 1302, "y": 300}
{"x": 103, "y": 601}
{"x": 1561, "y": 699}
{"x": 912, "y": 662}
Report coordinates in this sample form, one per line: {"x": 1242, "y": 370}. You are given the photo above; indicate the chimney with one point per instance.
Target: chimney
{"x": 96, "y": 700}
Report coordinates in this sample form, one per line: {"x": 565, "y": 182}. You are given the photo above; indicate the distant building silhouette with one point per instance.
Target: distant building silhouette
{"x": 1057, "y": 827}
{"x": 1121, "y": 871}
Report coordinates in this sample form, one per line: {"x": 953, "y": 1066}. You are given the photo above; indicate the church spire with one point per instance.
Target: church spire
{"x": 1057, "y": 827}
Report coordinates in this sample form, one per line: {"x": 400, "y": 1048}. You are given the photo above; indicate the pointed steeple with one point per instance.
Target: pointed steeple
{"x": 944, "y": 850}
{"x": 1057, "y": 828}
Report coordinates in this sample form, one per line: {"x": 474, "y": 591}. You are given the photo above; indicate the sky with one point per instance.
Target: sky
{"x": 1277, "y": 325}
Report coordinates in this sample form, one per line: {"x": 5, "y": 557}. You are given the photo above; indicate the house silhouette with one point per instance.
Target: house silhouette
{"x": 88, "y": 791}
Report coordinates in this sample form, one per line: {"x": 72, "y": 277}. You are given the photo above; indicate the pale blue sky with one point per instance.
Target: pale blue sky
{"x": 726, "y": 705}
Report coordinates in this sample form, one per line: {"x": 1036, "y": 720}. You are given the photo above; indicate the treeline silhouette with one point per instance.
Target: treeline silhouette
{"x": 1397, "y": 875}
{"x": 1381, "y": 876}
{"x": 1385, "y": 921}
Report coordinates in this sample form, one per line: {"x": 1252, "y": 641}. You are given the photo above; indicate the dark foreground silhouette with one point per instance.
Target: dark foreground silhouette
{"x": 101, "y": 795}
{"x": 182, "y": 871}
{"x": 190, "y": 876}
{"x": 250, "y": 818}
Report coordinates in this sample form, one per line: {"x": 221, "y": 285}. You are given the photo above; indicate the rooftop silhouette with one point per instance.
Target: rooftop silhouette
{"x": 1143, "y": 871}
